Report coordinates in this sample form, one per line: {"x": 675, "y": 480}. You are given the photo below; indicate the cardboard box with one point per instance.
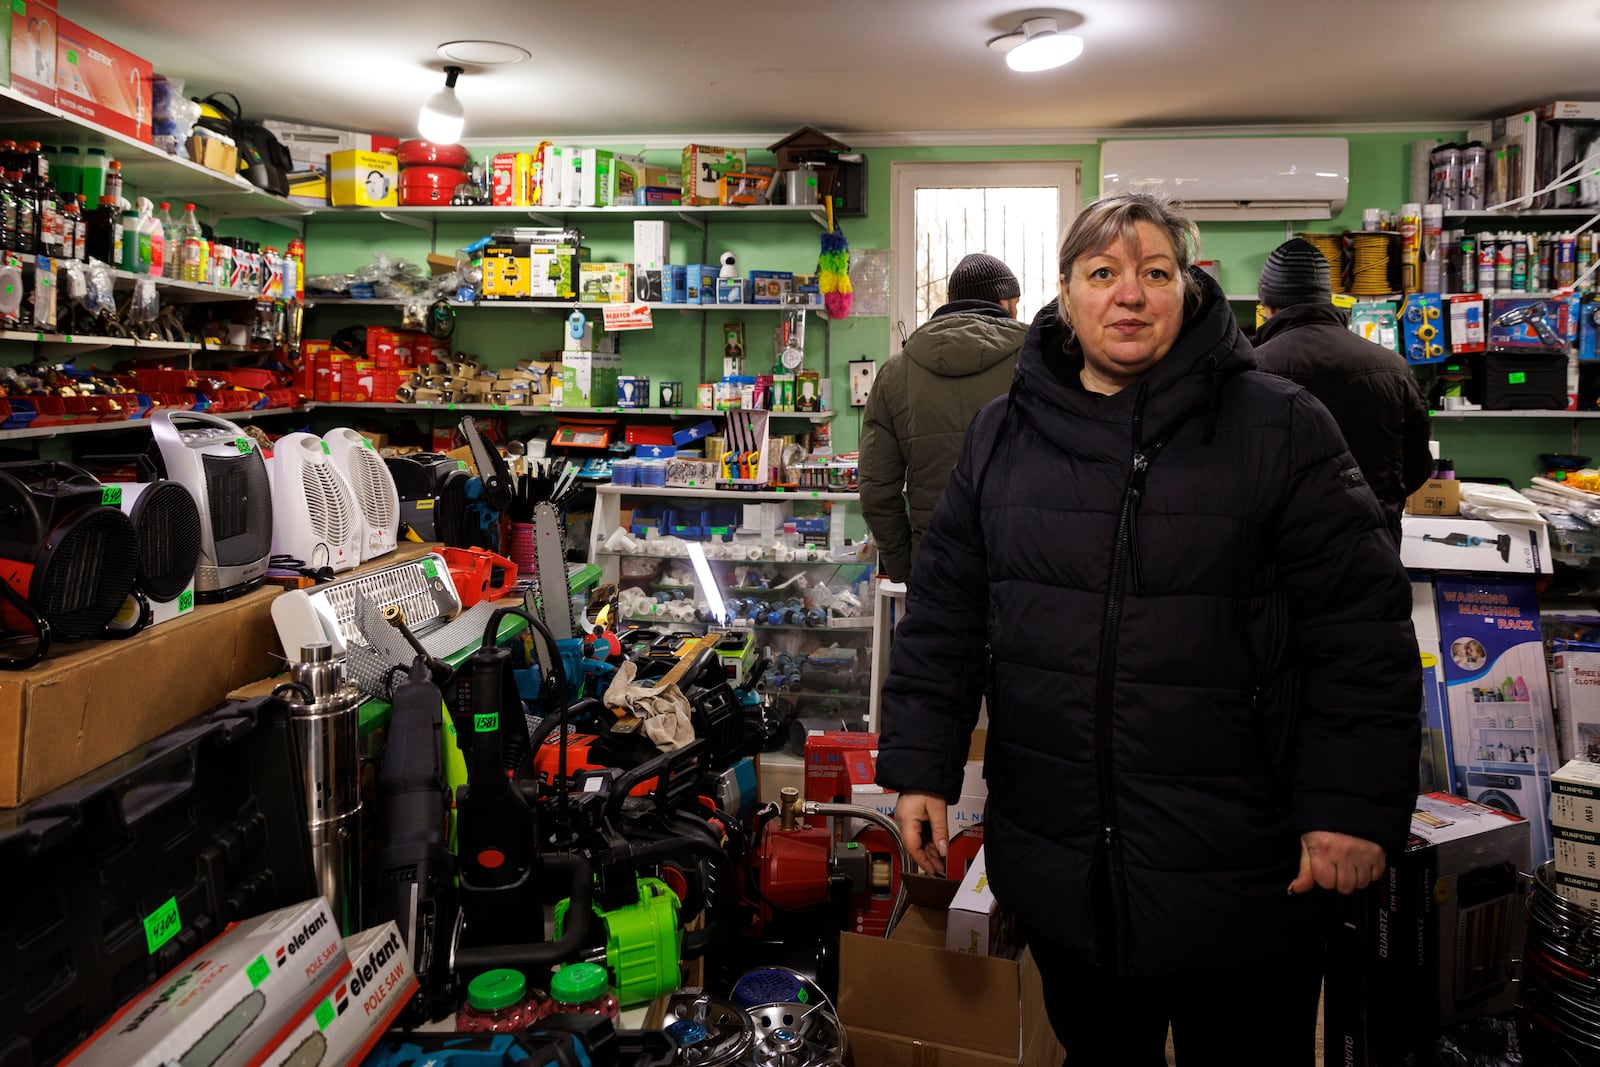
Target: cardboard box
{"x": 1437, "y": 772}
{"x": 605, "y": 283}
{"x": 343, "y": 1026}
{"x": 1577, "y": 852}
{"x": 1560, "y": 315}
{"x": 506, "y": 268}
{"x": 1434, "y": 945}
{"x": 214, "y": 152}
{"x": 512, "y": 179}
{"x": 589, "y": 379}
{"x": 1585, "y": 892}
{"x": 1438, "y": 496}
{"x": 743, "y": 188}
{"x": 1575, "y": 796}
{"x": 652, "y": 244}
{"x": 1575, "y": 686}
{"x": 1501, "y": 729}
{"x": 703, "y": 168}
{"x": 557, "y": 161}
{"x": 975, "y": 923}
{"x": 897, "y": 995}
{"x": 1570, "y": 109}
{"x": 256, "y": 980}
{"x": 590, "y": 178}
{"x": 101, "y": 82}
{"x": 363, "y": 179}
{"x": 34, "y": 49}
{"x": 770, "y": 286}
{"x": 1436, "y": 543}
{"x": 99, "y": 699}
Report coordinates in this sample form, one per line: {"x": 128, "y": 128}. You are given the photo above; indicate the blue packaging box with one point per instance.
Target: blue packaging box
{"x": 1588, "y": 327}
{"x": 1515, "y": 322}
{"x": 771, "y": 286}
{"x": 690, "y": 434}
{"x": 675, "y": 284}
{"x": 655, "y": 451}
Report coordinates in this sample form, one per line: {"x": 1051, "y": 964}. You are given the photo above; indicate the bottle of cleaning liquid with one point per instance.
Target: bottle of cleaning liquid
{"x": 172, "y": 239}
{"x": 193, "y": 251}
{"x": 129, "y": 259}
{"x": 151, "y": 240}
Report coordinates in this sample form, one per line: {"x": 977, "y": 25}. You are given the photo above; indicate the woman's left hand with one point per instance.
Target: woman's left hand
{"x": 1336, "y": 861}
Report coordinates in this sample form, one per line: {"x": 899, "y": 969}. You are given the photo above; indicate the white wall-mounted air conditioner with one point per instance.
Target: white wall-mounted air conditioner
{"x": 1234, "y": 179}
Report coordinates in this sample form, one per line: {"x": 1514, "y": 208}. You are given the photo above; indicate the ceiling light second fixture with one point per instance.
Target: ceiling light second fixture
{"x": 1038, "y": 45}
{"x": 442, "y": 117}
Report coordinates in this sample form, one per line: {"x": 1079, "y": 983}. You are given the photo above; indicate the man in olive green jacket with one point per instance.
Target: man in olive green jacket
{"x": 925, "y": 397}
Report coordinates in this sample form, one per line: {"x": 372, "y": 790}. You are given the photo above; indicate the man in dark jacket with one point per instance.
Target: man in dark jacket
{"x": 924, "y": 399}
{"x": 1167, "y": 574}
{"x": 1370, "y": 391}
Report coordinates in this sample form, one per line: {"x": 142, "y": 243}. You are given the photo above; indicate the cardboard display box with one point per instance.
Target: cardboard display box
{"x": 1438, "y": 496}
{"x": 343, "y": 1026}
{"x": 363, "y": 179}
{"x": 1433, "y": 944}
{"x": 1438, "y": 543}
{"x": 101, "y": 82}
{"x": 1575, "y": 685}
{"x": 976, "y": 924}
{"x": 1575, "y": 796}
{"x": 96, "y": 700}
{"x": 907, "y": 1002}
{"x": 34, "y": 49}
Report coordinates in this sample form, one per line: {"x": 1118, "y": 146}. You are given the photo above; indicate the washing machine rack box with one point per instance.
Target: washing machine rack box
{"x": 90, "y": 702}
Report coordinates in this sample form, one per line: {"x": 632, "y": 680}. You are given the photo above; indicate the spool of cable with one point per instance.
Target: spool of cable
{"x": 1331, "y": 245}
{"x": 1370, "y": 253}
{"x": 1560, "y": 1015}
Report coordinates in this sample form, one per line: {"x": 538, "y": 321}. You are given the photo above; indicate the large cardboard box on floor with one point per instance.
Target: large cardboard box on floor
{"x": 91, "y": 702}
{"x": 909, "y": 1002}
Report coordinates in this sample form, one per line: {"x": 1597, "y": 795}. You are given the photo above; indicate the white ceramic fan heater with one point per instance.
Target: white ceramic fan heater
{"x": 373, "y": 486}
{"x": 315, "y": 517}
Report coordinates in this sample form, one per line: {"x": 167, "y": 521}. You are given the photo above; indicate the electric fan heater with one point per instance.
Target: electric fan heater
{"x": 433, "y": 495}
{"x": 315, "y": 518}
{"x": 223, "y": 471}
{"x": 71, "y": 558}
{"x": 166, "y": 535}
{"x": 373, "y": 486}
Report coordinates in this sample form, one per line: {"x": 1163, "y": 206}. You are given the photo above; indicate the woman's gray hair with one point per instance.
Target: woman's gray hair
{"x": 1114, "y": 216}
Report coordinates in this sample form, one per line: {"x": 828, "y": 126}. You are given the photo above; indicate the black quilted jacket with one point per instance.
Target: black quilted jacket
{"x": 1196, "y": 640}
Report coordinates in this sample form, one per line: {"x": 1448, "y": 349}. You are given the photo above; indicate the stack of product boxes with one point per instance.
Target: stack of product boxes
{"x": 1575, "y": 818}
{"x": 279, "y": 988}
{"x": 329, "y": 375}
{"x": 588, "y": 372}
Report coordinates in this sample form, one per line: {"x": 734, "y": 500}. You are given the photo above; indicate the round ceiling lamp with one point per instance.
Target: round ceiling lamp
{"x": 482, "y": 53}
{"x": 1038, "y": 45}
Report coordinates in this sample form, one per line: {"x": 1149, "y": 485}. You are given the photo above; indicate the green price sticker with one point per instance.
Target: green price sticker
{"x": 325, "y": 1014}
{"x": 185, "y": 601}
{"x": 461, "y": 464}
{"x": 1517, "y": 378}
{"x": 257, "y": 971}
{"x": 430, "y": 568}
{"x": 326, "y": 451}
{"x": 242, "y": 444}
{"x": 19, "y": 6}
{"x": 72, "y": 57}
{"x": 162, "y": 925}
{"x": 486, "y": 724}
{"x": 365, "y": 443}
{"x": 111, "y": 496}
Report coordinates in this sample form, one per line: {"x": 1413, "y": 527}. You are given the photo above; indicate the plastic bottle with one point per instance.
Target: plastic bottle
{"x": 71, "y": 231}
{"x": 8, "y": 198}
{"x": 172, "y": 238}
{"x": 193, "y": 249}
{"x": 46, "y": 204}
{"x": 297, "y": 252}
{"x": 104, "y": 239}
{"x": 129, "y": 260}
{"x": 151, "y": 240}
{"x": 92, "y": 179}
{"x": 500, "y": 1002}
{"x": 581, "y": 989}
{"x": 65, "y": 168}
{"x": 114, "y": 181}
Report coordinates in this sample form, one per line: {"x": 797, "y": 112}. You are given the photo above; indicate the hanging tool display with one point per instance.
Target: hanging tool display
{"x": 490, "y": 493}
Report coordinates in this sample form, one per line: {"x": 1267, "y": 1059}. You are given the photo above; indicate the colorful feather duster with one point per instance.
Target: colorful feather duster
{"x": 833, "y": 270}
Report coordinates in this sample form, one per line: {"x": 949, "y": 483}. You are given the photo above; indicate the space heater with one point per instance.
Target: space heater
{"x": 432, "y": 490}
{"x": 166, "y": 534}
{"x": 374, "y": 488}
{"x": 223, "y": 471}
{"x": 315, "y": 517}
{"x": 67, "y": 561}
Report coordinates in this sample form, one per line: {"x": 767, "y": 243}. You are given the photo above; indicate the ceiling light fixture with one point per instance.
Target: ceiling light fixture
{"x": 482, "y": 53}
{"x": 442, "y": 116}
{"x": 1037, "y": 45}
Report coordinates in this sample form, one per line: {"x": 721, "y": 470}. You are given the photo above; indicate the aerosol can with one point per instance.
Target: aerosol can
{"x": 323, "y": 706}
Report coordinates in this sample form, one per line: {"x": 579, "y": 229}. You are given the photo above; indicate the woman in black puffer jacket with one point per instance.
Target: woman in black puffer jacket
{"x": 1168, "y": 575}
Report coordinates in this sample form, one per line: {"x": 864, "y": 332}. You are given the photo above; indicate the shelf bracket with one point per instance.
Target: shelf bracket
{"x": 692, "y": 221}
{"x": 545, "y": 220}
{"x": 820, "y": 218}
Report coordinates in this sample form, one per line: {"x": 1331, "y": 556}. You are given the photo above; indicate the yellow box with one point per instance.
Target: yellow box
{"x": 363, "y": 179}
{"x": 507, "y": 271}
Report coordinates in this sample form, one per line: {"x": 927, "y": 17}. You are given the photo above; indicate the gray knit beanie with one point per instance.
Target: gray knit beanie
{"x": 1295, "y": 273}
{"x": 982, "y": 277}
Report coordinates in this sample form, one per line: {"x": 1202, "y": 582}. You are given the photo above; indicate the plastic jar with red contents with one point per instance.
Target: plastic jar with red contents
{"x": 500, "y": 1002}
{"x": 582, "y": 989}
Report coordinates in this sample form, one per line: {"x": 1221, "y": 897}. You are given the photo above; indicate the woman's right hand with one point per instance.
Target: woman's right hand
{"x": 911, "y": 811}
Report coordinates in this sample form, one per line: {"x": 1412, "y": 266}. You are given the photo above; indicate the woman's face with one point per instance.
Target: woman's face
{"x": 1126, "y": 304}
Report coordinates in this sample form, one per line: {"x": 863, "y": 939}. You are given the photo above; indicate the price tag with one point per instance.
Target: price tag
{"x": 485, "y": 724}
{"x": 162, "y": 925}
{"x": 627, "y": 317}
{"x": 111, "y": 496}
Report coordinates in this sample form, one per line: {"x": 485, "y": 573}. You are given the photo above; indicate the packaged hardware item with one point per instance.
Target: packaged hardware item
{"x": 343, "y": 1026}
{"x": 221, "y": 1005}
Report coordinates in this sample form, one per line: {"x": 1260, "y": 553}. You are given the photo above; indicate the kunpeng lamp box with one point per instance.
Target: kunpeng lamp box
{"x": 1502, "y": 734}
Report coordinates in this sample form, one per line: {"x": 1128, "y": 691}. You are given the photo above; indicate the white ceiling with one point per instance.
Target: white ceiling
{"x": 644, "y": 70}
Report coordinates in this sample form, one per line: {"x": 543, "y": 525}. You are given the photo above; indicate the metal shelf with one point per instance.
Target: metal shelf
{"x": 532, "y": 411}
{"x": 556, "y": 305}
{"x": 695, "y": 216}
{"x": 172, "y": 289}
{"x": 1532, "y": 213}
{"x": 764, "y": 561}
{"x": 1537, "y": 414}
{"x": 125, "y": 424}
{"x": 725, "y": 494}
{"x": 862, "y": 624}
{"x": 82, "y": 342}
{"x": 144, "y": 166}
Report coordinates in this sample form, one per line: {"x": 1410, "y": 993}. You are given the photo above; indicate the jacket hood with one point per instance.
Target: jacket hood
{"x": 961, "y": 343}
{"x": 1209, "y": 349}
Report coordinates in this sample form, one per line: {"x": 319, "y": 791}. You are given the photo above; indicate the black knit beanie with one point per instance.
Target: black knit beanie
{"x": 981, "y": 277}
{"x": 1295, "y": 273}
